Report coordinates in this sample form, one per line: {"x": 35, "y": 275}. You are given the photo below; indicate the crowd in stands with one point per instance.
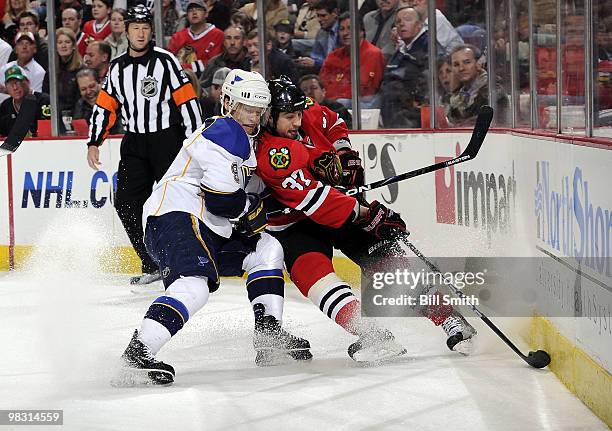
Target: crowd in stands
{"x": 307, "y": 40}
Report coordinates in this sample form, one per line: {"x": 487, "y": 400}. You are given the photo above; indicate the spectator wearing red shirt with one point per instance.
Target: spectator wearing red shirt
{"x": 99, "y": 27}
{"x": 204, "y": 38}
{"x": 336, "y": 69}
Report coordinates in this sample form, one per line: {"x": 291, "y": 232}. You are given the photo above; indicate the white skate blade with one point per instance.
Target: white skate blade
{"x": 128, "y": 377}
{"x": 275, "y": 357}
{"x": 464, "y": 347}
{"x": 379, "y": 353}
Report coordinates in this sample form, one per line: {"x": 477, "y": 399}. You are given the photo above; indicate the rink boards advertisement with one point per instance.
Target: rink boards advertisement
{"x": 521, "y": 196}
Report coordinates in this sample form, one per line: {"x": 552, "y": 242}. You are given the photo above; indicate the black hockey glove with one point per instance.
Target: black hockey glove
{"x": 382, "y": 222}
{"x": 254, "y": 221}
{"x": 328, "y": 169}
{"x": 352, "y": 169}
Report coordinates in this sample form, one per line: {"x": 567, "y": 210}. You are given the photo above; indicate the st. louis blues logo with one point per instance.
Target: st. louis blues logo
{"x": 148, "y": 87}
{"x": 280, "y": 159}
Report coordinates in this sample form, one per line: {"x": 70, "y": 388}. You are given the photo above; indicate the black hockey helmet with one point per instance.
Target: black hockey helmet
{"x": 138, "y": 13}
{"x": 285, "y": 97}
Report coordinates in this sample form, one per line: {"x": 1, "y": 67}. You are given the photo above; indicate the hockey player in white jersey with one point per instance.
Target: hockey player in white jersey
{"x": 201, "y": 223}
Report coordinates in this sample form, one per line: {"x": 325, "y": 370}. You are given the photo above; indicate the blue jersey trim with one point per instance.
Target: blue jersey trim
{"x": 229, "y": 135}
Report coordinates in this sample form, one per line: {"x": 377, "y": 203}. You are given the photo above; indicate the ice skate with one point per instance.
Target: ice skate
{"x": 460, "y": 333}
{"x": 375, "y": 346}
{"x": 273, "y": 345}
{"x": 141, "y": 368}
{"x": 146, "y": 278}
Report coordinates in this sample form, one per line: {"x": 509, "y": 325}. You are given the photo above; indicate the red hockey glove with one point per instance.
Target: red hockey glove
{"x": 352, "y": 169}
{"x": 382, "y": 222}
{"x": 328, "y": 169}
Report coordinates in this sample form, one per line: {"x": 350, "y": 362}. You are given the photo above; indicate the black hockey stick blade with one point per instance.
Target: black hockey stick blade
{"x": 483, "y": 121}
{"x": 537, "y": 359}
{"x": 23, "y": 122}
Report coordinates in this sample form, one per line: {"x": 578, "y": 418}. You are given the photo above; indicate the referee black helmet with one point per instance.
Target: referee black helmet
{"x": 138, "y": 13}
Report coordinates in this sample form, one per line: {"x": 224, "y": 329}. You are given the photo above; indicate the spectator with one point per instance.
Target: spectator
{"x": 473, "y": 89}
{"x": 446, "y": 35}
{"x": 306, "y": 26}
{"x": 275, "y": 11}
{"x": 98, "y": 57}
{"x": 99, "y": 27}
{"x": 117, "y": 39}
{"x": 171, "y": 18}
{"x": 404, "y": 87}
{"x": 211, "y": 104}
{"x": 28, "y": 22}
{"x": 25, "y": 48}
{"x": 234, "y": 55}
{"x": 11, "y": 18}
{"x": 84, "y": 11}
{"x": 89, "y": 87}
{"x": 327, "y": 37}
{"x": 278, "y": 62}
{"x": 283, "y": 39}
{"x": 336, "y": 70}
{"x": 313, "y": 87}
{"x": 71, "y": 18}
{"x": 219, "y": 14}
{"x": 447, "y": 82}
{"x": 205, "y": 38}
{"x": 18, "y": 87}
{"x": 378, "y": 25}
{"x": 69, "y": 62}
{"x": 242, "y": 20}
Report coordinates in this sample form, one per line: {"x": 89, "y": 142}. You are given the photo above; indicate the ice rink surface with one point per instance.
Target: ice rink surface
{"x": 63, "y": 331}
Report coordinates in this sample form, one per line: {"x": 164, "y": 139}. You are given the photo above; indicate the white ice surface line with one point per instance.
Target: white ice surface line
{"x": 60, "y": 341}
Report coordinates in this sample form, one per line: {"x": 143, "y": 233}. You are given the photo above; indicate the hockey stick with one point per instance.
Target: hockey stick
{"x": 537, "y": 359}
{"x": 485, "y": 116}
{"x": 483, "y": 121}
{"x": 23, "y": 122}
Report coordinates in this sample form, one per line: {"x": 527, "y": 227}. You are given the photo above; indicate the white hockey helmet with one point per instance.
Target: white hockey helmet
{"x": 248, "y": 88}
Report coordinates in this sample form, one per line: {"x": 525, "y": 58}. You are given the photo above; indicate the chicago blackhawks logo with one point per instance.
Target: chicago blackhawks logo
{"x": 148, "y": 87}
{"x": 280, "y": 159}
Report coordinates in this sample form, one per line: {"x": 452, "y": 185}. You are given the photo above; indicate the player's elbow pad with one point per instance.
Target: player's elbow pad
{"x": 227, "y": 205}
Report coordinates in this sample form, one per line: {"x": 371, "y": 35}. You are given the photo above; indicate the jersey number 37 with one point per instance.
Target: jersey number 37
{"x": 296, "y": 181}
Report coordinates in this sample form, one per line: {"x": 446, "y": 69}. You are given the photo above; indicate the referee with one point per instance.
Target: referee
{"x": 159, "y": 108}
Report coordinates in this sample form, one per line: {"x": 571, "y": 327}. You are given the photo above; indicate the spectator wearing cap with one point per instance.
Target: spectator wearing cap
{"x": 284, "y": 36}
{"x": 313, "y": 87}
{"x": 234, "y": 55}
{"x": 327, "y": 38}
{"x": 118, "y": 38}
{"x": 25, "y": 48}
{"x": 278, "y": 62}
{"x": 28, "y": 22}
{"x": 378, "y": 25}
{"x": 98, "y": 57}
{"x": 71, "y": 18}
{"x": 99, "y": 27}
{"x": 205, "y": 38}
{"x": 69, "y": 62}
{"x": 274, "y": 10}
{"x": 336, "y": 70}
{"x": 211, "y": 104}
{"x": 18, "y": 88}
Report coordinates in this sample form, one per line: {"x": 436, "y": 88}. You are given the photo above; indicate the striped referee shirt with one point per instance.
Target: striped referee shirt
{"x": 152, "y": 92}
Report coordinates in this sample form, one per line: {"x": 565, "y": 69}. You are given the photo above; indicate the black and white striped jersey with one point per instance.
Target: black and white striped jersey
{"x": 152, "y": 93}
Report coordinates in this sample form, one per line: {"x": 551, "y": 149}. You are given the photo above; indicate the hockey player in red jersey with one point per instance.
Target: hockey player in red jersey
{"x": 303, "y": 153}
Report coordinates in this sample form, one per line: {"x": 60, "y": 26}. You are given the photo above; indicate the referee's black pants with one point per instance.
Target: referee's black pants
{"x": 145, "y": 158}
